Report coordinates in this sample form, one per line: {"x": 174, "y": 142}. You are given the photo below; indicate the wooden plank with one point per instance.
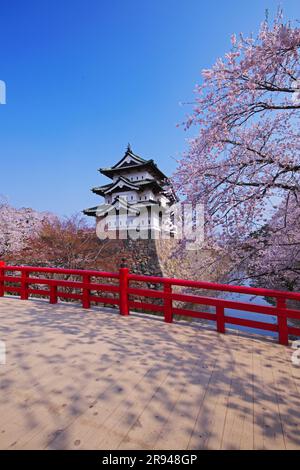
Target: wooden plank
{"x": 182, "y": 416}
{"x": 238, "y": 427}
{"x": 211, "y": 415}
{"x": 77, "y": 379}
{"x": 147, "y": 430}
{"x": 288, "y": 398}
{"x": 268, "y": 432}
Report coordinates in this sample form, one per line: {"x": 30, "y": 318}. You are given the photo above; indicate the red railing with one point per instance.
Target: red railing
{"x": 125, "y": 296}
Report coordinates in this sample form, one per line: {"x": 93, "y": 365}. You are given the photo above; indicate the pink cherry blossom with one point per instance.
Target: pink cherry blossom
{"x": 244, "y": 158}
{"x": 17, "y": 226}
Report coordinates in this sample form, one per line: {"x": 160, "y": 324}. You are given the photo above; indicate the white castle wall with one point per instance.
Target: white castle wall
{"x": 131, "y": 196}
{"x": 134, "y": 175}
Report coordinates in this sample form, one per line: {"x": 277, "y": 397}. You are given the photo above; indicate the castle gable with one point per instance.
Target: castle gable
{"x": 121, "y": 184}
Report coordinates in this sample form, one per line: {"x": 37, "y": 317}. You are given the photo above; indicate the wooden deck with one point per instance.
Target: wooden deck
{"x": 77, "y": 379}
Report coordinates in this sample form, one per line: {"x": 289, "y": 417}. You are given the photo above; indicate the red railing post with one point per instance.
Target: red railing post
{"x": 168, "y": 303}
{"x": 282, "y": 323}
{"x": 24, "y": 284}
{"x": 86, "y": 302}
{"x": 2, "y": 274}
{"x": 124, "y": 285}
{"x": 220, "y": 319}
{"x": 53, "y": 294}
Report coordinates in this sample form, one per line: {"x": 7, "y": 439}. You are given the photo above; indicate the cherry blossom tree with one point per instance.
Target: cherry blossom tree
{"x": 244, "y": 161}
{"x": 17, "y": 227}
{"x": 273, "y": 253}
{"x": 64, "y": 243}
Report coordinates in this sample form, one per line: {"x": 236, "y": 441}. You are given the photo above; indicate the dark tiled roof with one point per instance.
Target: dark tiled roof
{"x": 145, "y": 164}
{"x": 91, "y": 211}
{"x": 138, "y": 183}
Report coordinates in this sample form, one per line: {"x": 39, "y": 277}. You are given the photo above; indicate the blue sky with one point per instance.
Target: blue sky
{"x": 84, "y": 78}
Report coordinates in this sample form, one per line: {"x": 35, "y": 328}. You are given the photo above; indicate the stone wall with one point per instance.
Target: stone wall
{"x": 166, "y": 258}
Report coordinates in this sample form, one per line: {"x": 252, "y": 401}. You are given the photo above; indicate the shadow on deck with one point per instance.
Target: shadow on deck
{"x": 78, "y": 379}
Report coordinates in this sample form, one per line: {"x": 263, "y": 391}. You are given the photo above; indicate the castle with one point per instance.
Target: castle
{"x": 137, "y": 200}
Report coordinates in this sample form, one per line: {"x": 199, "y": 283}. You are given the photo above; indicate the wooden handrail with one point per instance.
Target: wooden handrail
{"x": 123, "y": 295}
